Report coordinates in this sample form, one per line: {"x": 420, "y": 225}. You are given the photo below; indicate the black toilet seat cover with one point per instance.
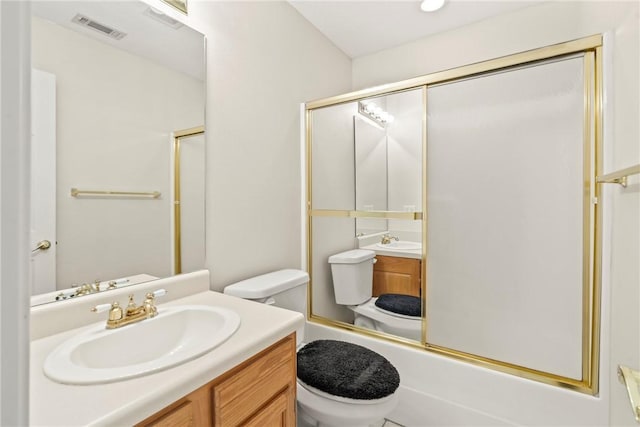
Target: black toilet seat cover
{"x": 346, "y": 370}
{"x": 407, "y": 305}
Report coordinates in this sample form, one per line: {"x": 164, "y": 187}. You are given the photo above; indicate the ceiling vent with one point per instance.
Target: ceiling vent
{"x": 94, "y": 25}
{"x": 161, "y": 17}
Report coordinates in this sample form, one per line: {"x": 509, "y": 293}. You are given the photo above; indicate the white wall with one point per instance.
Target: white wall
{"x": 263, "y": 60}
{"x": 115, "y": 115}
{"x": 494, "y": 393}
{"x": 625, "y": 220}
{"x": 14, "y": 212}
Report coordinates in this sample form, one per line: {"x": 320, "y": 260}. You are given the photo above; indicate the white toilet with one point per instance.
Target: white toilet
{"x": 317, "y": 404}
{"x": 352, "y": 273}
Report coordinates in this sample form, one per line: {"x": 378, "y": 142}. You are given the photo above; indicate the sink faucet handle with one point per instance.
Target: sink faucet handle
{"x": 100, "y": 308}
{"x": 158, "y": 293}
{"x": 115, "y": 311}
{"x": 149, "y": 306}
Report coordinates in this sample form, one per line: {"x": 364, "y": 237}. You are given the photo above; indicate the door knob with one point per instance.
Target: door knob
{"x": 42, "y": 245}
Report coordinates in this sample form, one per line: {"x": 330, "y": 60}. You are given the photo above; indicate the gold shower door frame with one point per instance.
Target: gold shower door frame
{"x": 591, "y": 48}
{"x": 177, "y": 211}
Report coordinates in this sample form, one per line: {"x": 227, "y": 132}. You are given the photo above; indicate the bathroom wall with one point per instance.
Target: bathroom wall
{"x": 490, "y": 392}
{"x": 263, "y": 60}
{"x": 94, "y": 154}
{"x": 624, "y": 132}
{"x": 14, "y": 212}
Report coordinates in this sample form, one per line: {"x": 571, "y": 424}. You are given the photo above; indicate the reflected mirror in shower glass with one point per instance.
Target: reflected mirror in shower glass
{"x": 366, "y": 156}
{"x": 388, "y": 160}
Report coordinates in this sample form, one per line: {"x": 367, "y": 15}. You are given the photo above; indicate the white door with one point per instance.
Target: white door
{"x": 43, "y": 182}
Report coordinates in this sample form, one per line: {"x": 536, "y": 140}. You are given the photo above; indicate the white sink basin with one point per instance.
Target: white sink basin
{"x": 400, "y": 246}
{"x": 176, "y": 335}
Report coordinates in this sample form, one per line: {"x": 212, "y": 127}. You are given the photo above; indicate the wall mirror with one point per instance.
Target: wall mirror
{"x": 459, "y": 225}
{"x": 117, "y": 86}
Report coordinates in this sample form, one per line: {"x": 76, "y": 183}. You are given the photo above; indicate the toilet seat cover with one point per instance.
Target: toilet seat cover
{"x": 406, "y": 305}
{"x": 347, "y": 370}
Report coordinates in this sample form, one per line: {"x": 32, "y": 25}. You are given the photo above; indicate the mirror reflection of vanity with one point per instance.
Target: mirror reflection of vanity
{"x": 460, "y": 199}
{"x": 117, "y": 87}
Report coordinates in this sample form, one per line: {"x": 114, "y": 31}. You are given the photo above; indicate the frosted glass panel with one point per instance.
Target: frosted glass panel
{"x": 505, "y": 194}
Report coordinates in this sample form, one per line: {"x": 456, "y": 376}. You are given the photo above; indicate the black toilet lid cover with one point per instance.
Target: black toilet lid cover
{"x": 407, "y": 305}
{"x": 346, "y": 370}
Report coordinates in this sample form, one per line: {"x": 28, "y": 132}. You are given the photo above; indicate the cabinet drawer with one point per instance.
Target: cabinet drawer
{"x": 247, "y": 390}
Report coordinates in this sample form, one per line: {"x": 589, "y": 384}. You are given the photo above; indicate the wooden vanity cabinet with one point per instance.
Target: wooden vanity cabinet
{"x": 396, "y": 275}
{"x": 259, "y": 392}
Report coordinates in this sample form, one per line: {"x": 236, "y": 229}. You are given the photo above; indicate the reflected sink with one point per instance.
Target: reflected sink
{"x": 176, "y": 335}
{"x": 400, "y": 246}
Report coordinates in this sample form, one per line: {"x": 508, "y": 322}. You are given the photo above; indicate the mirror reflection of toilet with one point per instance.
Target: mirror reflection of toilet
{"x": 352, "y": 273}
{"x": 339, "y": 383}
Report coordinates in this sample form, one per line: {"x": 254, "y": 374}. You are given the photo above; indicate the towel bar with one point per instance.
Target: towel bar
{"x": 103, "y": 193}
{"x": 631, "y": 379}
{"x": 619, "y": 177}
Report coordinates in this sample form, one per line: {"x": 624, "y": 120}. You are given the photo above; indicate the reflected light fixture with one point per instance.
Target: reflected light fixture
{"x": 431, "y": 5}
{"x": 373, "y": 112}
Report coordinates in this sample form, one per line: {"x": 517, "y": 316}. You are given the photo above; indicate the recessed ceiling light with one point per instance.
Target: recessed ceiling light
{"x": 431, "y": 5}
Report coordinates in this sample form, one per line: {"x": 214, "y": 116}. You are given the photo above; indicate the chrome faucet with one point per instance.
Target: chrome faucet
{"x": 132, "y": 313}
{"x": 386, "y": 239}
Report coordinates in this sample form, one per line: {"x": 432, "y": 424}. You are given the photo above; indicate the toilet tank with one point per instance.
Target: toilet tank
{"x": 352, "y": 273}
{"x": 282, "y": 288}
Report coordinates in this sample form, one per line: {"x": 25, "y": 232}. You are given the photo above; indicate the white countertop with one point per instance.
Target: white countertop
{"x": 401, "y": 253}
{"x": 131, "y": 401}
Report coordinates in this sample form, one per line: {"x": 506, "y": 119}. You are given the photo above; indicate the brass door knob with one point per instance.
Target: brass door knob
{"x": 42, "y": 245}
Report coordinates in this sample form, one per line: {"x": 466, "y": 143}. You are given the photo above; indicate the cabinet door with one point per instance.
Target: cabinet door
{"x": 396, "y": 275}
{"x": 192, "y": 410}
{"x": 277, "y": 413}
{"x": 259, "y": 392}
{"x": 254, "y": 387}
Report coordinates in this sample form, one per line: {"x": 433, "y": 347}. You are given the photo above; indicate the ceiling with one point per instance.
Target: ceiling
{"x": 362, "y": 27}
{"x": 181, "y": 48}
{"x": 357, "y": 27}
